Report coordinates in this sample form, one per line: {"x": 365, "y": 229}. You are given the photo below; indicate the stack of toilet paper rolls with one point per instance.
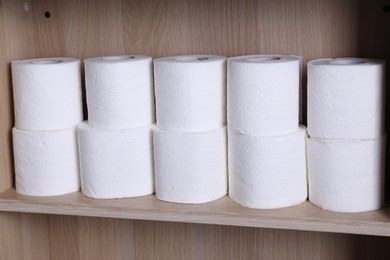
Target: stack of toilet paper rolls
{"x": 190, "y": 137}
{"x": 267, "y": 157}
{"x": 116, "y": 147}
{"x": 346, "y": 135}
{"x": 48, "y": 107}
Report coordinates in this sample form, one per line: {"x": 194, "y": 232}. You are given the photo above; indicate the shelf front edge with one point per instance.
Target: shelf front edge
{"x": 224, "y": 211}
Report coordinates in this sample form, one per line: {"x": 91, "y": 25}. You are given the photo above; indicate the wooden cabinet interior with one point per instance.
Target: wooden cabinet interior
{"x": 44, "y": 28}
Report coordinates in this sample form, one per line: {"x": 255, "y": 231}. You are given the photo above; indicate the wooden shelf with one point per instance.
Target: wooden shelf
{"x": 221, "y": 212}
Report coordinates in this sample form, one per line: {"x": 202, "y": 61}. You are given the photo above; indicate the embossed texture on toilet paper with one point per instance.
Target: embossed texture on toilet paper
{"x": 190, "y": 92}
{"x": 263, "y": 94}
{"x": 47, "y": 93}
{"x": 46, "y": 162}
{"x": 346, "y": 175}
{"x": 120, "y": 91}
{"x": 190, "y": 167}
{"x": 116, "y": 163}
{"x": 346, "y": 98}
{"x": 267, "y": 171}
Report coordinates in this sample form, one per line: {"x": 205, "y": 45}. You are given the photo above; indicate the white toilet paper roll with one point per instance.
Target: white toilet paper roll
{"x": 116, "y": 163}
{"x": 47, "y": 93}
{"x": 190, "y": 92}
{"x": 267, "y": 171}
{"x": 345, "y": 98}
{"x": 346, "y": 176}
{"x": 263, "y": 94}
{"x": 190, "y": 167}
{"x": 120, "y": 91}
{"x": 46, "y": 162}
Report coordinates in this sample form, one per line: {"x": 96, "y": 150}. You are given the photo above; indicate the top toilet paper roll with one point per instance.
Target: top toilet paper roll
{"x": 345, "y": 98}
{"x": 120, "y": 91}
{"x": 47, "y": 93}
{"x": 263, "y": 94}
{"x": 190, "y": 92}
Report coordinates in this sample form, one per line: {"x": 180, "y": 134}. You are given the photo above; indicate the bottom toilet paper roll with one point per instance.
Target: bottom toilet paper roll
{"x": 190, "y": 167}
{"x": 267, "y": 171}
{"x": 46, "y": 162}
{"x": 116, "y": 163}
{"x": 346, "y": 175}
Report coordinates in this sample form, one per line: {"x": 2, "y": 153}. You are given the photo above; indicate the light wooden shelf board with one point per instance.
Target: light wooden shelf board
{"x": 221, "y": 212}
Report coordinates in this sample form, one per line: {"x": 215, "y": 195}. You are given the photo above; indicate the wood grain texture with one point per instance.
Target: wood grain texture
{"x": 90, "y": 28}
{"x": 85, "y": 238}
{"x": 6, "y": 111}
{"x": 24, "y": 236}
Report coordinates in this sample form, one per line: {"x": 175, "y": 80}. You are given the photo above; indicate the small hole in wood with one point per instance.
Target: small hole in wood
{"x": 47, "y": 14}
{"x": 386, "y": 8}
